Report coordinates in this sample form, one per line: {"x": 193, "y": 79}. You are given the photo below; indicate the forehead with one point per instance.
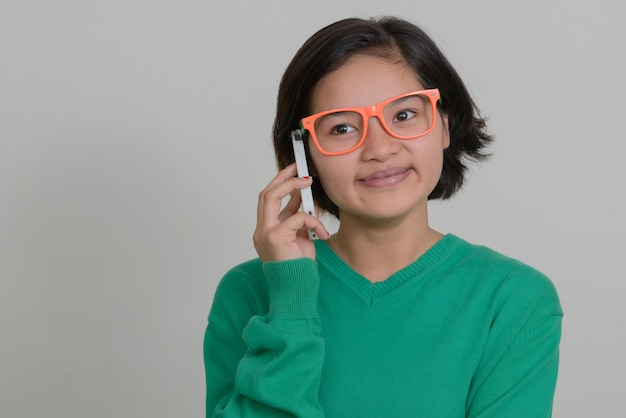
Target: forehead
{"x": 363, "y": 81}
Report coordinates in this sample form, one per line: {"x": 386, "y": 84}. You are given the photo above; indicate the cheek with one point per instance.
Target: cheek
{"x": 435, "y": 157}
{"x": 332, "y": 173}
{"x": 328, "y": 174}
{"x": 319, "y": 164}
{"x": 428, "y": 157}
{"x": 333, "y": 189}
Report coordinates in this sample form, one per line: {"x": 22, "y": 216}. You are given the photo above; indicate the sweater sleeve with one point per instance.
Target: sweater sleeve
{"x": 265, "y": 364}
{"x": 517, "y": 375}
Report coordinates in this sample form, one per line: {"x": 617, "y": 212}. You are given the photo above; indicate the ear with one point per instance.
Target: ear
{"x": 446, "y": 131}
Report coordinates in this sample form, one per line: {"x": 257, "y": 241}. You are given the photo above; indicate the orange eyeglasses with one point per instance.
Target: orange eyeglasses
{"x": 407, "y": 116}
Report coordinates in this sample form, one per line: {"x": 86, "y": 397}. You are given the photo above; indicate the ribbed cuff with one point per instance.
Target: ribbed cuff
{"x": 294, "y": 287}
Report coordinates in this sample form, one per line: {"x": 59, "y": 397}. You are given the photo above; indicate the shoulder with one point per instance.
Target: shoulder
{"x": 242, "y": 287}
{"x": 247, "y": 286}
{"x": 248, "y": 272}
{"x": 507, "y": 278}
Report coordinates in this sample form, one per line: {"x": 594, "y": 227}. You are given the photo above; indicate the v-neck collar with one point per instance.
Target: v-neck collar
{"x": 373, "y": 292}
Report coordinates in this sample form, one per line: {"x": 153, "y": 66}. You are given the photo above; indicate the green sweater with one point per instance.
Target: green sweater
{"x": 461, "y": 332}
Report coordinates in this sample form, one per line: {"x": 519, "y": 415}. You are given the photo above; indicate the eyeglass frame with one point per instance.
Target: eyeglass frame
{"x": 367, "y": 112}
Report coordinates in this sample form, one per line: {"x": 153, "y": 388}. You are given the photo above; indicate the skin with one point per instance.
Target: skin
{"x": 381, "y": 188}
{"x": 281, "y": 235}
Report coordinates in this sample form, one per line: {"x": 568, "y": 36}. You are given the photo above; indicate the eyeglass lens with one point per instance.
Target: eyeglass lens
{"x": 404, "y": 118}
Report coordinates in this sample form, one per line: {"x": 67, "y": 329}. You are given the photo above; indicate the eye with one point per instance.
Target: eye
{"x": 404, "y": 115}
{"x": 342, "y": 129}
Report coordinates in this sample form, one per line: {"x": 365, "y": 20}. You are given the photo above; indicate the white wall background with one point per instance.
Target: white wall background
{"x": 135, "y": 136}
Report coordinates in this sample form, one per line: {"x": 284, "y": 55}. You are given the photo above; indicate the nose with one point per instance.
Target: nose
{"x": 379, "y": 144}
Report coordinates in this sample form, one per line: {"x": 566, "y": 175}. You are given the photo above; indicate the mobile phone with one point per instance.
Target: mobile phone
{"x": 303, "y": 171}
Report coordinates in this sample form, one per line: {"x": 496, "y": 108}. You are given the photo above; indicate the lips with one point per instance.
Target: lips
{"x": 384, "y": 178}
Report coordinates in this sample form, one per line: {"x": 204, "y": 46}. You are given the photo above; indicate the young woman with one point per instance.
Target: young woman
{"x": 387, "y": 317}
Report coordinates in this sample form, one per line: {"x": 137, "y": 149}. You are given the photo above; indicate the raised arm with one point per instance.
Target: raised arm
{"x": 265, "y": 365}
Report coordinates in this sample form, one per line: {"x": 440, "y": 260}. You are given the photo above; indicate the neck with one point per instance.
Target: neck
{"x": 378, "y": 250}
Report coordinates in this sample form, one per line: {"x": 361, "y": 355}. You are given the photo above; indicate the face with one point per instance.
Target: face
{"x": 386, "y": 178}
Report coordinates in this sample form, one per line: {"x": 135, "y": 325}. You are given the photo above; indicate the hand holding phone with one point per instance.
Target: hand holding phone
{"x": 303, "y": 171}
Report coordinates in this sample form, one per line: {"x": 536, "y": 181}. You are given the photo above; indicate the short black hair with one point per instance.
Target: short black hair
{"x": 388, "y": 38}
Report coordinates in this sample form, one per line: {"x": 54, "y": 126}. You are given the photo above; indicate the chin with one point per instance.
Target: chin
{"x": 392, "y": 213}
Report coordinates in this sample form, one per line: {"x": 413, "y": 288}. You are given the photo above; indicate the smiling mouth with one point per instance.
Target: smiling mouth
{"x": 385, "y": 178}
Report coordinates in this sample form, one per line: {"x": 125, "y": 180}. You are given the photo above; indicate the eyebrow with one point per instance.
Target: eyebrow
{"x": 337, "y": 112}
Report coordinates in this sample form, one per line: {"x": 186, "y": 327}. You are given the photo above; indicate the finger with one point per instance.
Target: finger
{"x": 319, "y": 229}
{"x": 271, "y": 199}
{"x": 292, "y": 206}
{"x": 283, "y": 175}
{"x": 301, "y": 222}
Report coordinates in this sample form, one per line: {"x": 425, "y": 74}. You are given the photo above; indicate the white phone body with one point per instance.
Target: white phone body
{"x": 303, "y": 171}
